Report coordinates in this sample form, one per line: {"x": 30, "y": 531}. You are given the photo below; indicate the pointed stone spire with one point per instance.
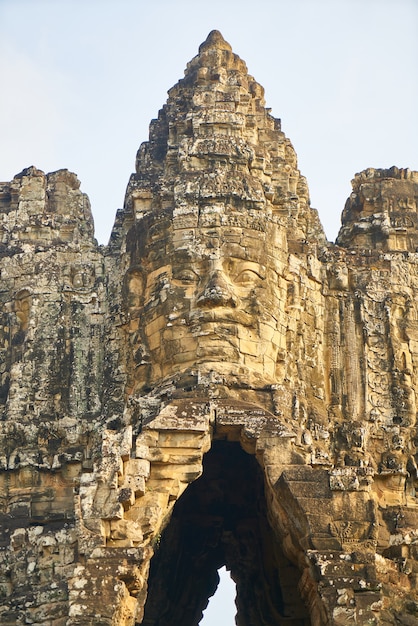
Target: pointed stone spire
{"x": 214, "y": 40}
{"x": 214, "y": 140}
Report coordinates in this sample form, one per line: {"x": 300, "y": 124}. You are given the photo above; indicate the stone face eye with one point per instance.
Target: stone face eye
{"x": 248, "y": 277}
{"x": 186, "y": 276}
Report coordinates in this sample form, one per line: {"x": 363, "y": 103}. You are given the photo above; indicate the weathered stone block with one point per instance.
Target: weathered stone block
{"x": 219, "y": 385}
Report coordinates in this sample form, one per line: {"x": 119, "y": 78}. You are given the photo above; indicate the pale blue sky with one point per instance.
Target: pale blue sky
{"x": 221, "y": 609}
{"x": 81, "y": 80}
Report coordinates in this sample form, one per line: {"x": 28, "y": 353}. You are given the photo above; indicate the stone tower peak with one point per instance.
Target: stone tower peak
{"x": 381, "y": 212}
{"x": 216, "y": 143}
{"x": 214, "y": 63}
{"x": 50, "y": 211}
{"x": 215, "y": 40}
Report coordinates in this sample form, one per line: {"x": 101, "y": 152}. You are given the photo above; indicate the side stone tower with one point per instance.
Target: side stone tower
{"x": 218, "y": 386}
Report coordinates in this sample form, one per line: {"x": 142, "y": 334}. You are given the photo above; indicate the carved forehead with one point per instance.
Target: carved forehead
{"x": 213, "y": 233}
{"x": 216, "y": 243}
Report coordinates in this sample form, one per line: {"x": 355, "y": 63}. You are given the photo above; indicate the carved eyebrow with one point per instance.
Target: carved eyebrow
{"x": 247, "y": 276}
{"x": 251, "y": 266}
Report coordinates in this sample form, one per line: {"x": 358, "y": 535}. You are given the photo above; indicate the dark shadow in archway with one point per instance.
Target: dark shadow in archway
{"x": 221, "y": 519}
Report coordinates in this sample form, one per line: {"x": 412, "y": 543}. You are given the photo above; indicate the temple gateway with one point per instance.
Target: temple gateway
{"x": 218, "y": 386}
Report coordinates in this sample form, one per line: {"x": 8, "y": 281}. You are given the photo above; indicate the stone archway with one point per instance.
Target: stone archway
{"x": 222, "y": 519}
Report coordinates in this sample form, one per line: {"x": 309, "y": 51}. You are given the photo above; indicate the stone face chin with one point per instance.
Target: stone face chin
{"x": 218, "y": 386}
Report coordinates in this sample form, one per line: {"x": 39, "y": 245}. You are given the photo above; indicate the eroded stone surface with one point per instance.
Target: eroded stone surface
{"x": 219, "y": 385}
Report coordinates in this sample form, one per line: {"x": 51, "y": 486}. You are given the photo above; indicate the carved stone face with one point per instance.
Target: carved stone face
{"x": 212, "y": 296}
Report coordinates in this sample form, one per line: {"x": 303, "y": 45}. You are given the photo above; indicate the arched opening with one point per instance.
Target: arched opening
{"x": 221, "y": 519}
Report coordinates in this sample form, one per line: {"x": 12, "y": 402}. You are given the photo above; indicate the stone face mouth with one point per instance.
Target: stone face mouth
{"x": 223, "y": 316}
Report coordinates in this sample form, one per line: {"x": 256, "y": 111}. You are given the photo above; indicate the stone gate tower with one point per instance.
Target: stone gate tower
{"x": 217, "y": 386}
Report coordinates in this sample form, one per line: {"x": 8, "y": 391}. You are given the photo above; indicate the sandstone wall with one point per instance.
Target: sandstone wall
{"x": 218, "y": 386}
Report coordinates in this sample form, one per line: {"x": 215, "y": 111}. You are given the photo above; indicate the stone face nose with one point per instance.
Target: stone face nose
{"x": 217, "y": 292}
